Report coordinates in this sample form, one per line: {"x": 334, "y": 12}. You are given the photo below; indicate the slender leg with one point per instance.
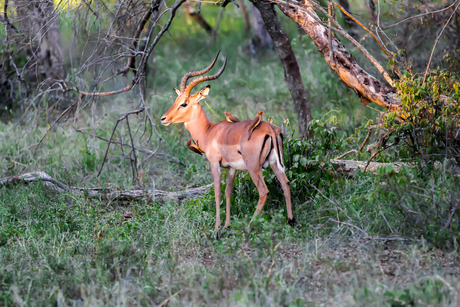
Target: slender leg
{"x": 215, "y": 171}
{"x": 286, "y": 189}
{"x": 228, "y": 194}
{"x": 258, "y": 179}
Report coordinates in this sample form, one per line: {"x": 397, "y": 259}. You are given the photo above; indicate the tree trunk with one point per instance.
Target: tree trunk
{"x": 262, "y": 37}
{"x": 289, "y": 61}
{"x": 244, "y": 10}
{"x": 341, "y": 62}
{"x": 38, "y": 23}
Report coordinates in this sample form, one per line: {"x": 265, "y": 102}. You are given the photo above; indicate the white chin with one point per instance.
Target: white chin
{"x": 166, "y": 124}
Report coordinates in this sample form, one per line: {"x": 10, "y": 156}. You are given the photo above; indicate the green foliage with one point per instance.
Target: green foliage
{"x": 89, "y": 159}
{"x": 430, "y": 115}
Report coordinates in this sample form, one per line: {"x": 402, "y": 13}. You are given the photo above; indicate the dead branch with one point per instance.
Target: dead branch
{"x": 371, "y": 58}
{"x": 346, "y": 154}
{"x": 342, "y": 62}
{"x": 124, "y": 116}
{"x": 102, "y": 193}
{"x": 195, "y": 15}
{"x": 378, "y": 152}
{"x": 366, "y": 138}
{"x": 366, "y": 29}
{"x": 437, "y": 39}
{"x": 348, "y": 167}
{"x": 55, "y": 122}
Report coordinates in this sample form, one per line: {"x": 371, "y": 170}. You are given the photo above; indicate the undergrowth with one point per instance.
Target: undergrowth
{"x": 71, "y": 251}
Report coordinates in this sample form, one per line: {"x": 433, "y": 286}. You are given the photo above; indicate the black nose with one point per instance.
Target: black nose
{"x": 163, "y": 118}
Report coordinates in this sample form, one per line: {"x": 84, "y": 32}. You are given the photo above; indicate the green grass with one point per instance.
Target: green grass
{"x": 67, "y": 250}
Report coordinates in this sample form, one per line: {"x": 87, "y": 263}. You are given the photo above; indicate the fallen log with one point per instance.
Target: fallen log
{"x": 103, "y": 193}
{"x": 348, "y": 167}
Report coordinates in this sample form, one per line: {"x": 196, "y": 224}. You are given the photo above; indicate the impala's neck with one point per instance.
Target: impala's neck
{"x": 198, "y": 126}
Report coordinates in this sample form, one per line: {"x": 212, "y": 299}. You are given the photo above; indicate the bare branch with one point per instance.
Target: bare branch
{"x": 125, "y": 115}
{"x": 55, "y": 122}
{"x": 437, "y": 39}
{"x": 367, "y": 30}
{"x": 342, "y": 63}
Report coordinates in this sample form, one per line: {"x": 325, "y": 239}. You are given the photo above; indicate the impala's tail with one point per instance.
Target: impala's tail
{"x": 272, "y": 149}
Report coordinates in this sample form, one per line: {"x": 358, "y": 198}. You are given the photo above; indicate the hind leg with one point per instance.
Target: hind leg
{"x": 258, "y": 179}
{"x": 286, "y": 189}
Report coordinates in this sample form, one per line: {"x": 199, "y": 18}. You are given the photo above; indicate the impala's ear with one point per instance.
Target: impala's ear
{"x": 203, "y": 93}
{"x": 177, "y": 91}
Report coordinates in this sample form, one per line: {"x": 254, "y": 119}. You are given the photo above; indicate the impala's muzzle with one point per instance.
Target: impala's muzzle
{"x": 164, "y": 122}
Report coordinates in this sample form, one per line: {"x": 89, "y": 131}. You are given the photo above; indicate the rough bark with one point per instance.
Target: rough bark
{"x": 102, "y": 193}
{"x": 289, "y": 61}
{"x": 342, "y": 63}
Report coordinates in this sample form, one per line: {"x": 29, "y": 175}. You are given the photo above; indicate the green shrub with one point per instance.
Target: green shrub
{"x": 430, "y": 124}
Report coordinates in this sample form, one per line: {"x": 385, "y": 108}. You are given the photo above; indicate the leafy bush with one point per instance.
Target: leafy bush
{"x": 430, "y": 124}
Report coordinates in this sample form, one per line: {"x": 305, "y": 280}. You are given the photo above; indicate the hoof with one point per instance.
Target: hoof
{"x": 291, "y": 222}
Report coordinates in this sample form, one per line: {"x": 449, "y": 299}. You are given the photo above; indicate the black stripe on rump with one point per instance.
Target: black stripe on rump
{"x": 278, "y": 146}
{"x": 280, "y": 157}
{"x": 263, "y": 145}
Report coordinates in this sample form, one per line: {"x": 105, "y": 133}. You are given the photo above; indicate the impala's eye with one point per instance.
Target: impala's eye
{"x": 183, "y": 105}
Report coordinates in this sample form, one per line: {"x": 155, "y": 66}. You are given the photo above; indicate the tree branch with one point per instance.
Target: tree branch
{"x": 342, "y": 62}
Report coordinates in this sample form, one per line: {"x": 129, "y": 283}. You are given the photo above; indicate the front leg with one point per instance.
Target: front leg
{"x": 215, "y": 171}
{"x": 228, "y": 194}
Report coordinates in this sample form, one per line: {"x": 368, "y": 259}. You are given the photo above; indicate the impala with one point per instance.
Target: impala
{"x": 226, "y": 144}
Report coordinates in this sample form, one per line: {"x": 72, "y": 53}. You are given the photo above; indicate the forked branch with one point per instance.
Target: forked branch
{"x": 342, "y": 62}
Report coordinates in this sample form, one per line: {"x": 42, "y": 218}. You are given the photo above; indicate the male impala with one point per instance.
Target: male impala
{"x": 226, "y": 144}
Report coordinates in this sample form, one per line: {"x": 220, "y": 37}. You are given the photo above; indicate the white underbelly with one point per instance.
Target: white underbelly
{"x": 239, "y": 164}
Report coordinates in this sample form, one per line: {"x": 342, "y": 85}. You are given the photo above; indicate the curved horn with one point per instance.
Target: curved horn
{"x": 192, "y": 84}
{"x": 188, "y": 75}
